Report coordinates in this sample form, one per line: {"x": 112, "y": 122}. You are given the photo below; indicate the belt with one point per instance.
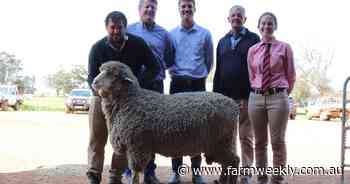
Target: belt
{"x": 270, "y": 91}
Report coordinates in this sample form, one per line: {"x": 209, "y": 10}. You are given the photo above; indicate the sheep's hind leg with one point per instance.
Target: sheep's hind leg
{"x": 229, "y": 163}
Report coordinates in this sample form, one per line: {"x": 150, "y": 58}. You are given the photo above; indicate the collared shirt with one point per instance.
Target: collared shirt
{"x": 102, "y": 52}
{"x": 231, "y": 75}
{"x": 158, "y": 39}
{"x": 193, "y": 52}
{"x": 281, "y": 65}
{"x": 236, "y": 38}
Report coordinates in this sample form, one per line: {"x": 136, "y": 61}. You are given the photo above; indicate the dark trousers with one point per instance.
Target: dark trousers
{"x": 178, "y": 85}
{"x": 157, "y": 86}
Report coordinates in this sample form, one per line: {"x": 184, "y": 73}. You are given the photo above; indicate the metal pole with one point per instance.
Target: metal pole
{"x": 343, "y": 137}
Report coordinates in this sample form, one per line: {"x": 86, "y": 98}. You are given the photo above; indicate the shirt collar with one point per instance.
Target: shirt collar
{"x": 193, "y": 28}
{"x": 150, "y": 28}
{"x": 126, "y": 37}
{"x": 272, "y": 41}
{"x": 242, "y": 32}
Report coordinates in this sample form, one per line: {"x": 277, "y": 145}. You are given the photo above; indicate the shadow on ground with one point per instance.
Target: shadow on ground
{"x": 75, "y": 174}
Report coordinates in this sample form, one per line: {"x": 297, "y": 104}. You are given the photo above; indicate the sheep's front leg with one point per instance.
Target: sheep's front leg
{"x": 135, "y": 176}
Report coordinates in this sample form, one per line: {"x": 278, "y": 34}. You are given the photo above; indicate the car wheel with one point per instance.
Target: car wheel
{"x": 4, "y": 106}
{"x": 324, "y": 117}
{"x": 68, "y": 110}
{"x": 309, "y": 116}
{"x": 292, "y": 117}
{"x": 16, "y": 106}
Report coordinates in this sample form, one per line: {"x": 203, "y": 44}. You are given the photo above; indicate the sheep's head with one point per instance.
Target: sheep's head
{"x": 114, "y": 78}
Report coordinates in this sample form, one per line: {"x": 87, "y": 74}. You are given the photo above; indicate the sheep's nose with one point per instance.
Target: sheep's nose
{"x": 94, "y": 85}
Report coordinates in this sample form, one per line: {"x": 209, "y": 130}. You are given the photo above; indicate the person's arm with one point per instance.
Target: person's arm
{"x": 249, "y": 64}
{"x": 217, "y": 79}
{"x": 169, "y": 52}
{"x": 152, "y": 67}
{"x": 209, "y": 52}
{"x": 93, "y": 65}
{"x": 290, "y": 68}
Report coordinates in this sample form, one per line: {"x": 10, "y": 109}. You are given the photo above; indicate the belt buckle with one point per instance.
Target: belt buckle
{"x": 266, "y": 93}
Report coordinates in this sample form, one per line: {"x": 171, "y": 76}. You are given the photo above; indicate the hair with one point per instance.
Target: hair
{"x": 193, "y": 1}
{"x": 116, "y": 16}
{"x": 141, "y": 2}
{"x": 241, "y": 8}
{"x": 270, "y": 14}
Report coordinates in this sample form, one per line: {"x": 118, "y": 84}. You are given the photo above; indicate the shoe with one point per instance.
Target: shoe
{"x": 246, "y": 180}
{"x": 262, "y": 182}
{"x": 151, "y": 179}
{"x": 263, "y": 179}
{"x": 114, "y": 177}
{"x": 198, "y": 179}
{"x": 278, "y": 180}
{"x": 93, "y": 178}
{"x": 174, "y": 178}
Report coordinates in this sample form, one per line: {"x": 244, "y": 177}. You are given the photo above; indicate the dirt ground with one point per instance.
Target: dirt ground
{"x": 50, "y": 148}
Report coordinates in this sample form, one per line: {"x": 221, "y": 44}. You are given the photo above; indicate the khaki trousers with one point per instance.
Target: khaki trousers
{"x": 98, "y": 139}
{"x": 246, "y": 137}
{"x": 269, "y": 113}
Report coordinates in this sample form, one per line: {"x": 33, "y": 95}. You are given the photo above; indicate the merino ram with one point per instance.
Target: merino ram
{"x": 142, "y": 122}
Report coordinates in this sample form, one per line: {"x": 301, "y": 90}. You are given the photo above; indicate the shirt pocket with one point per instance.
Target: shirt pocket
{"x": 277, "y": 62}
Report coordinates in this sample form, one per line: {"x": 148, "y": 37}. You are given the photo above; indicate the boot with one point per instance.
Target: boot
{"x": 93, "y": 178}
{"x": 114, "y": 177}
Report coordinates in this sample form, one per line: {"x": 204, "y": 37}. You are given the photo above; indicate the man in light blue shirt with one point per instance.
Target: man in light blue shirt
{"x": 157, "y": 38}
{"x": 193, "y": 61}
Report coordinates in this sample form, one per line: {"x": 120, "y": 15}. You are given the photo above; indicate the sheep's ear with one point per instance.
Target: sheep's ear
{"x": 127, "y": 80}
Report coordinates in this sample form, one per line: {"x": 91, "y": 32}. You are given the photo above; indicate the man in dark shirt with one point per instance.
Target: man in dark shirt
{"x": 231, "y": 78}
{"x": 134, "y": 52}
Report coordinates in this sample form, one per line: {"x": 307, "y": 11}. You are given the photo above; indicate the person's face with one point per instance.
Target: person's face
{"x": 116, "y": 30}
{"x": 148, "y": 11}
{"x": 267, "y": 26}
{"x": 236, "y": 18}
{"x": 187, "y": 10}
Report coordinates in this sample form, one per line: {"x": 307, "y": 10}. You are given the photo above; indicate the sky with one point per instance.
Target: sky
{"x": 46, "y": 34}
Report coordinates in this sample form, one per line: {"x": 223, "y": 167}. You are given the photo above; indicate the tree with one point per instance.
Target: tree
{"x": 65, "y": 80}
{"x": 25, "y": 84}
{"x": 312, "y": 69}
{"x": 9, "y": 68}
{"x": 79, "y": 74}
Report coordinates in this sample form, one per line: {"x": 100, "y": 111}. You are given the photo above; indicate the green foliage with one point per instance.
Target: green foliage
{"x": 9, "y": 68}
{"x": 65, "y": 80}
{"x": 43, "y": 104}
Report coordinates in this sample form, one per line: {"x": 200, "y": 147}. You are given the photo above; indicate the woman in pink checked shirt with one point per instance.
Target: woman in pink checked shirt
{"x": 272, "y": 76}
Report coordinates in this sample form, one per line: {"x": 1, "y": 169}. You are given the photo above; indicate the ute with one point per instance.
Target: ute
{"x": 9, "y": 97}
{"x": 325, "y": 109}
{"x": 78, "y": 100}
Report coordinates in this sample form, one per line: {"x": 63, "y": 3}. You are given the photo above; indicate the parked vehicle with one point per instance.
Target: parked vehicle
{"x": 9, "y": 97}
{"x": 325, "y": 109}
{"x": 78, "y": 99}
{"x": 292, "y": 108}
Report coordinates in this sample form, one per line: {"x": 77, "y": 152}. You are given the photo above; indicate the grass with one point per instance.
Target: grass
{"x": 43, "y": 104}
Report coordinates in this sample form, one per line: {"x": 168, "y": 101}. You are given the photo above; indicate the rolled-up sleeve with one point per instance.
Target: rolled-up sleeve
{"x": 209, "y": 52}
{"x": 169, "y": 53}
